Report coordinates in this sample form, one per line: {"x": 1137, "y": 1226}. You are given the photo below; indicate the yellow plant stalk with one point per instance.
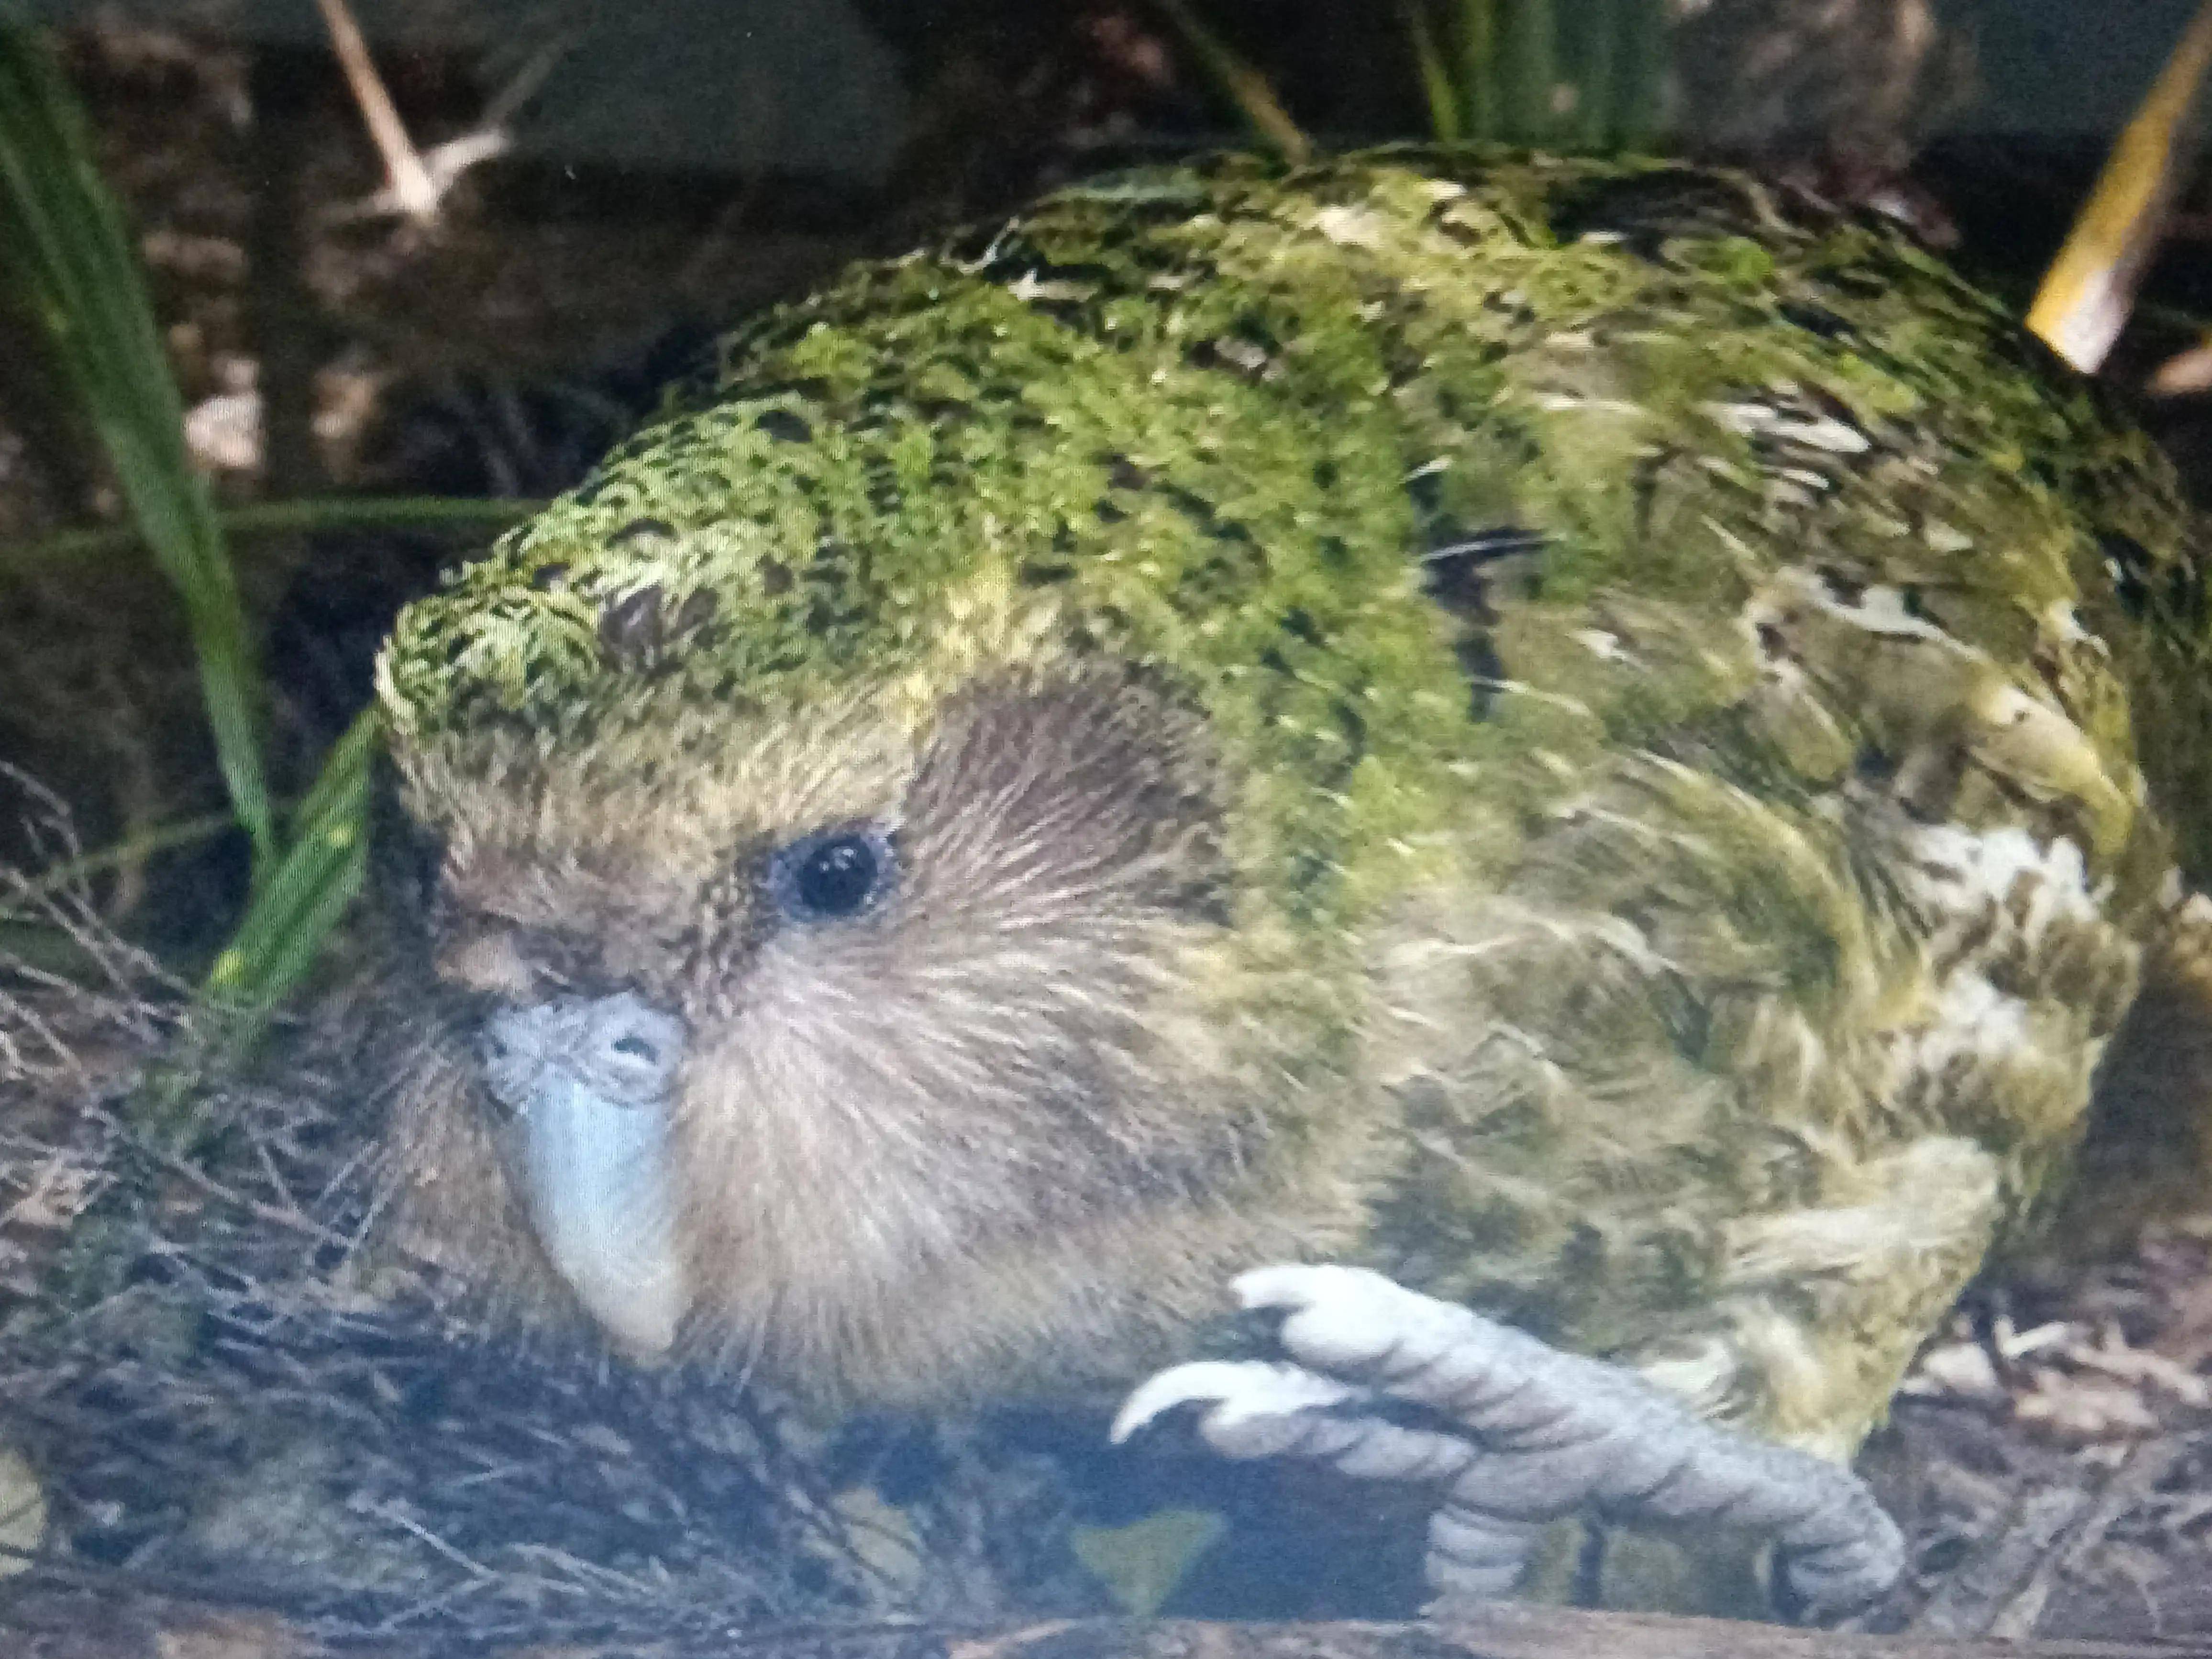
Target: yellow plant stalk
{"x": 2084, "y": 300}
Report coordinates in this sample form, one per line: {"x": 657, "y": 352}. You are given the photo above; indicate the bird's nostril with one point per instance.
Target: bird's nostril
{"x": 635, "y": 1047}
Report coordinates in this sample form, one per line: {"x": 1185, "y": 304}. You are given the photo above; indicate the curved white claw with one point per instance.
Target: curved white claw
{"x": 1239, "y": 1389}
{"x": 1545, "y": 1433}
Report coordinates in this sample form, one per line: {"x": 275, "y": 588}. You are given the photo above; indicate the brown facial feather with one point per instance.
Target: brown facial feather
{"x": 887, "y": 1124}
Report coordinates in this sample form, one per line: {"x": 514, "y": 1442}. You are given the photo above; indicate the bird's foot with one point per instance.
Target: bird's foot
{"x": 1537, "y": 1434}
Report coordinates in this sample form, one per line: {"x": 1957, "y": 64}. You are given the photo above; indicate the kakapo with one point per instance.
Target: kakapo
{"x": 1578, "y": 744}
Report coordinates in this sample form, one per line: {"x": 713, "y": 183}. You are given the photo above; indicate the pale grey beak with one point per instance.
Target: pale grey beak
{"x": 591, "y": 1083}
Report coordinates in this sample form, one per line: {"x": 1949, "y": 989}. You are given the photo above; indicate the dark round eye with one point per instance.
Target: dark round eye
{"x": 837, "y": 874}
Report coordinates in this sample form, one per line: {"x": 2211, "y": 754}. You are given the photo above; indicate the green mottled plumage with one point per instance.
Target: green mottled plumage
{"x": 1678, "y": 672}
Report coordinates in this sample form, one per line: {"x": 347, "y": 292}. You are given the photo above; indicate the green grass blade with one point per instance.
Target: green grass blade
{"x": 319, "y": 876}
{"x": 1436, "y": 88}
{"x": 72, "y": 268}
{"x": 67, "y": 251}
{"x": 310, "y": 517}
{"x": 1243, "y": 85}
{"x": 1478, "y": 74}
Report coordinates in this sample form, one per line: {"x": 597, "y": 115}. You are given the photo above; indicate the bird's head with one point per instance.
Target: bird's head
{"x": 772, "y": 1020}
{"x": 893, "y": 827}
{"x": 886, "y": 1021}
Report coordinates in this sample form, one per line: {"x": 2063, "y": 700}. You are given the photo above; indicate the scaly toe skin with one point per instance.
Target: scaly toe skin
{"x": 1476, "y": 1557}
{"x": 1547, "y": 1433}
